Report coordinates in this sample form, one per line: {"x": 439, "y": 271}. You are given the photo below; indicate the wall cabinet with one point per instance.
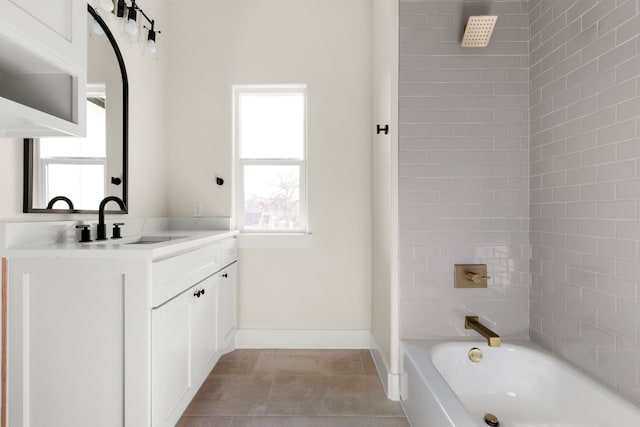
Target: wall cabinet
{"x": 118, "y": 340}
{"x": 43, "y": 63}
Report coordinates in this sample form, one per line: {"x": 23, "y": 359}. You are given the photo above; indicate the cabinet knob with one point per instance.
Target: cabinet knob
{"x": 197, "y": 293}
{"x": 225, "y": 275}
{"x": 203, "y": 292}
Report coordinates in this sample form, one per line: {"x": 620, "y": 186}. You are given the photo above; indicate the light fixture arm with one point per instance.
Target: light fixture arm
{"x": 135, "y": 6}
{"x": 121, "y": 10}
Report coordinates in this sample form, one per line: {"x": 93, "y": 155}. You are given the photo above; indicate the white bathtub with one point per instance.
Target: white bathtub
{"x": 520, "y": 383}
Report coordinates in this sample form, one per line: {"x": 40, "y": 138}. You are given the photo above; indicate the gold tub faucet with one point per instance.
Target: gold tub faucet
{"x": 472, "y": 322}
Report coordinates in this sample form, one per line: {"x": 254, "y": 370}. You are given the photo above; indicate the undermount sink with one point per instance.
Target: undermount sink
{"x": 147, "y": 240}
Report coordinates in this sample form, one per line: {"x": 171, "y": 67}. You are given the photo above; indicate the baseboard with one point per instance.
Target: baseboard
{"x": 390, "y": 381}
{"x": 303, "y": 339}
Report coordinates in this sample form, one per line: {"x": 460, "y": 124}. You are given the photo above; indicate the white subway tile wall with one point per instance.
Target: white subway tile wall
{"x": 585, "y": 185}
{"x": 464, "y": 168}
{"x": 525, "y": 156}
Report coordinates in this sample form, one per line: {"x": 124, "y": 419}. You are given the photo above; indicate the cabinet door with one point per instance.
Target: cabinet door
{"x": 227, "y": 305}
{"x": 43, "y": 76}
{"x": 203, "y": 328}
{"x": 170, "y": 354}
{"x": 66, "y": 349}
{"x": 57, "y": 26}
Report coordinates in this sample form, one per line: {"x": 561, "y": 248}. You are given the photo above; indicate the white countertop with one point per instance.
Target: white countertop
{"x": 187, "y": 241}
{"x": 183, "y": 241}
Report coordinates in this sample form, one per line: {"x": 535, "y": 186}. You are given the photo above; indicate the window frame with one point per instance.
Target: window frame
{"x": 45, "y": 162}
{"x": 240, "y": 163}
{"x": 96, "y": 94}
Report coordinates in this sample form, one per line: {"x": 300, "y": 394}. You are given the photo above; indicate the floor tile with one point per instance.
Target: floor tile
{"x": 327, "y": 395}
{"x": 237, "y": 362}
{"x": 293, "y": 388}
{"x": 271, "y": 421}
{"x": 367, "y": 363}
{"x": 309, "y": 362}
{"x": 231, "y": 395}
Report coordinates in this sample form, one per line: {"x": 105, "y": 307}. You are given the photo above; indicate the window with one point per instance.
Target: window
{"x": 270, "y": 147}
{"x": 74, "y": 167}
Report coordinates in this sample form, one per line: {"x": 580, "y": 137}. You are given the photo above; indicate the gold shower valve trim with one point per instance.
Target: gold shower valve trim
{"x": 470, "y": 276}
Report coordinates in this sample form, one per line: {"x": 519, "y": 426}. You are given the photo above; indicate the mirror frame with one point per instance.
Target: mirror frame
{"x": 27, "y": 202}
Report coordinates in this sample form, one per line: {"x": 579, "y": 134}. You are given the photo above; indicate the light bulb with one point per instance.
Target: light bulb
{"x": 106, "y": 5}
{"x": 96, "y": 29}
{"x": 132, "y": 25}
{"x": 150, "y": 47}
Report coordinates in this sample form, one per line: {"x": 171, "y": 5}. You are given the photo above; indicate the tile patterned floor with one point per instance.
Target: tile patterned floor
{"x": 293, "y": 388}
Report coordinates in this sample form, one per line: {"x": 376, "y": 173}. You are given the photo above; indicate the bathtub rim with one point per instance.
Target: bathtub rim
{"x": 418, "y": 351}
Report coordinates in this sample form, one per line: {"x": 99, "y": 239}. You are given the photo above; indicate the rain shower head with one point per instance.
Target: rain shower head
{"x": 478, "y": 31}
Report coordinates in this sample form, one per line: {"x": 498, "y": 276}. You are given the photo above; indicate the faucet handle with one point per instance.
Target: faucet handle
{"x": 116, "y": 230}
{"x": 85, "y": 233}
{"x": 475, "y": 277}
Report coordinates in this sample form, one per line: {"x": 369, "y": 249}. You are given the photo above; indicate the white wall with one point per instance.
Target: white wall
{"x": 147, "y": 137}
{"x": 10, "y": 178}
{"x": 384, "y": 182}
{"x": 463, "y": 168}
{"x": 324, "y": 44}
{"x": 585, "y": 186}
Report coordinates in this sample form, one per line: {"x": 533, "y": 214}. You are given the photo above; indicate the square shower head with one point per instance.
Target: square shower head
{"x": 478, "y": 31}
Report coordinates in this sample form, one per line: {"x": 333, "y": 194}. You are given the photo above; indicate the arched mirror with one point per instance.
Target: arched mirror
{"x": 63, "y": 175}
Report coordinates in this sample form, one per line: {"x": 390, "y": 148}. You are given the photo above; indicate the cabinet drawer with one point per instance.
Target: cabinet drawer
{"x": 173, "y": 275}
{"x": 229, "y": 251}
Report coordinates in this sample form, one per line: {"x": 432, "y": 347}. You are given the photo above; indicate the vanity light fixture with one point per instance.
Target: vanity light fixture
{"x": 128, "y": 12}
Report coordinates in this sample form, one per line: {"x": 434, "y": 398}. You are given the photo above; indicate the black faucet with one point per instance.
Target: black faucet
{"x": 102, "y": 229}
{"x": 57, "y": 198}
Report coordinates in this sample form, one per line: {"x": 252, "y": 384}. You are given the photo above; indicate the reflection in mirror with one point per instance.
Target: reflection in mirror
{"x": 85, "y": 170}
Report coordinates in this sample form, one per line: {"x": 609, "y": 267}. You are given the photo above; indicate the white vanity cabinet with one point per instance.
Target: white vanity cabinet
{"x": 73, "y": 332}
{"x": 171, "y": 376}
{"x": 183, "y": 349}
{"x": 43, "y": 63}
{"x": 116, "y": 339}
{"x": 184, "y": 346}
{"x": 192, "y": 328}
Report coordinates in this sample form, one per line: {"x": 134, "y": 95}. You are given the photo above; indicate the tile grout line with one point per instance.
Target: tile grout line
{"x": 272, "y": 378}
{"x": 364, "y": 370}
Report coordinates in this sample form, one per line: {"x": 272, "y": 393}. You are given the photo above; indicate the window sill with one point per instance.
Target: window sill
{"x": 275, "y": 241}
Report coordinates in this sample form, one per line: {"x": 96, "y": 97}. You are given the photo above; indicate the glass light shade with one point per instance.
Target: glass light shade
{"x": 96, "y": 29}
{"x": 150, "y": 47}
{"x": 131, "y": 27}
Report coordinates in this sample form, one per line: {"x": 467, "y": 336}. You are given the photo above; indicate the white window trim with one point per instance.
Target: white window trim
{"x": 42, "y": 178}
{"x": 238, "y": 190}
